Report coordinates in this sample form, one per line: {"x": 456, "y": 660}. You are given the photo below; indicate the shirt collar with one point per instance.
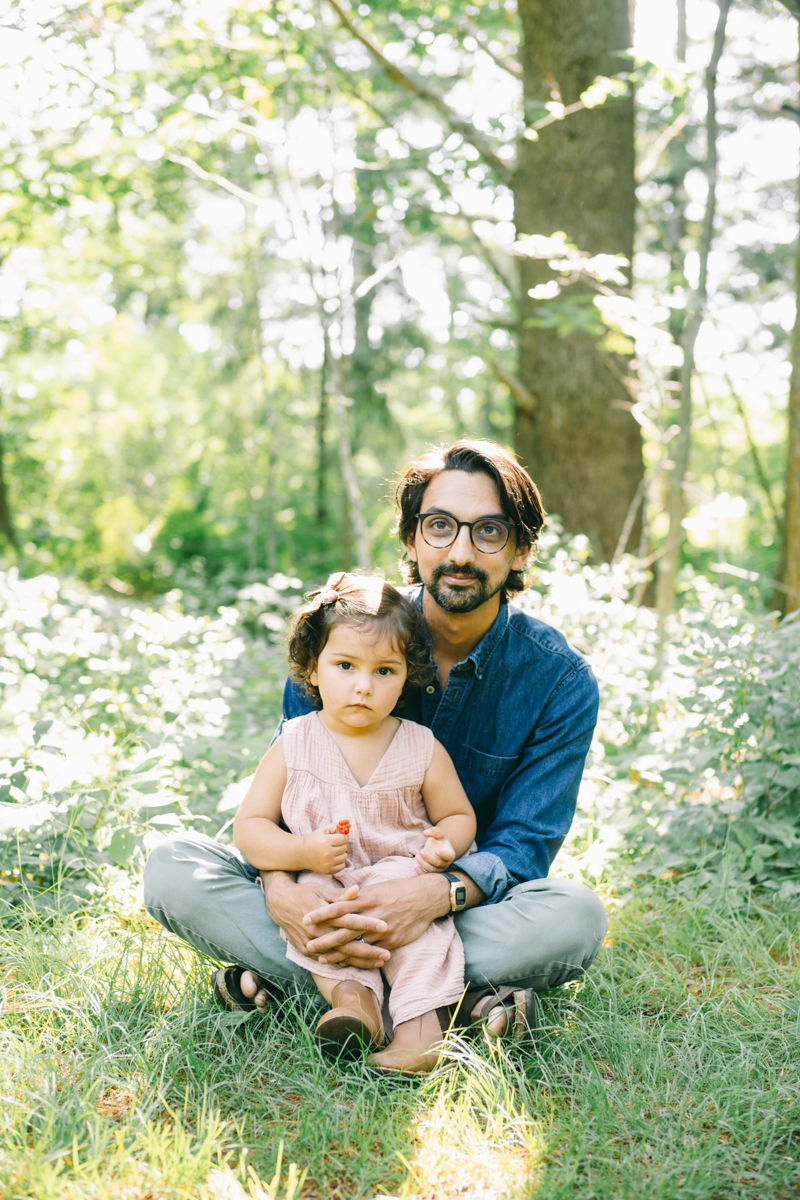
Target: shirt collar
{"x": 486, "y": 646}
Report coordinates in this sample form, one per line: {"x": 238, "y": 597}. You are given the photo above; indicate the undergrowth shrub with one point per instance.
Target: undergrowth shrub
{"x": 120, "y": 722}
{"x": 694, "y": 773}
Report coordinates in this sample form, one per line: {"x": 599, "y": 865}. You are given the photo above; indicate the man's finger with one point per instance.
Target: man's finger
{"x": 334, "y": 912}
{"x": 347, "y": 958}
{"x": 336, "y": 938}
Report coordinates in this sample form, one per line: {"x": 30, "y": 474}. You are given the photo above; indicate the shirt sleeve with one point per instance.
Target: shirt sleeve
{"x": 296, "y": 703}
{"x": 537, "y": 801}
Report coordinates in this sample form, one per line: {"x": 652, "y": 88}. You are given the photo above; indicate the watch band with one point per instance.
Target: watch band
{"x": 458, "y": 892}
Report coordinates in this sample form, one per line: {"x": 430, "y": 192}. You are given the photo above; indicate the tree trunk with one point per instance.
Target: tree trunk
{"x": 6, "y": 524}
{"x": 581, "y": 444}
{"x": 789, "y": 571}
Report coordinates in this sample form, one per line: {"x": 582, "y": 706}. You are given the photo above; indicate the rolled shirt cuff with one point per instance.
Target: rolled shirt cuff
{"x": 488, "y": 872}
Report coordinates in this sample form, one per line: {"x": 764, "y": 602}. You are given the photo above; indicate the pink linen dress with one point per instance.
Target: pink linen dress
{"x": 387, "y": 827}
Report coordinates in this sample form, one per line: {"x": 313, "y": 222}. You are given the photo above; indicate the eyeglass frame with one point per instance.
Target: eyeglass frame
{"x": 509, "y": 526}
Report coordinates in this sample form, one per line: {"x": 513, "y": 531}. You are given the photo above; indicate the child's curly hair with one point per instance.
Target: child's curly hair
{"x": 367, "y": 602}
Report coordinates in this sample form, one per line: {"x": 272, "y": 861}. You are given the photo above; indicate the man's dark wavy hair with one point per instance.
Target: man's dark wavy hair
{"x": 519, "y": 496}
{"x": 368, "y": 603}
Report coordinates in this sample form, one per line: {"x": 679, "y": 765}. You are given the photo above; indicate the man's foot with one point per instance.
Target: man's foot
{"x": 495, "y": 1024}
{"x": 353, "y": 1021}
{"x": 504, "y": 1011}
{"x": 240, "y": 990}
{"x": 414, "y": 1049}
{"x": 253, "y": 988}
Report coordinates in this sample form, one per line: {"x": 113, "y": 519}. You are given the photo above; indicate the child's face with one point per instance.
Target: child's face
{"x": 359, "y": 676}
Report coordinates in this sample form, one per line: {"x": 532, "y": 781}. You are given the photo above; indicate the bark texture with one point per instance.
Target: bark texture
{"x": 581, "y": 443}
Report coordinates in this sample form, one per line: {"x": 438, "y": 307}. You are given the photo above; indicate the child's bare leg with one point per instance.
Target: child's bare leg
{"x": 413, "y": 1048}
{"x": 353, "y": 1007}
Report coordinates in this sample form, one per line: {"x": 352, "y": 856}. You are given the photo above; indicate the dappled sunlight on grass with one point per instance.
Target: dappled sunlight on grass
{"x": 476, "y": 1135}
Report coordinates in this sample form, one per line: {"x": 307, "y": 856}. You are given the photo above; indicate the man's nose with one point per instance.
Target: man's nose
{"x": 462, "y": 550}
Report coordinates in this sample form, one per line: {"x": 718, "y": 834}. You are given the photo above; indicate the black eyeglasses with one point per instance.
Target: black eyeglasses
{"x": 489, "y": 534}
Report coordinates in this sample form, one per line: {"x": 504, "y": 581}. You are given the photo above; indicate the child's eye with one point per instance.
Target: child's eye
{"x": 345, "y": 666}
{"x": 385, "y": 671}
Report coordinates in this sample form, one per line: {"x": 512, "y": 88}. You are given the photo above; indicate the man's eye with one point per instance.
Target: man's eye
{"x": 440, "y": 524}
{"x": 490, "y": 529}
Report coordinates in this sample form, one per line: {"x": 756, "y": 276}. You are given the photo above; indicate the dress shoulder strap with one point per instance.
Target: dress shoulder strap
{"x": 418, "y": 743}
{"x": 296, "y": 734}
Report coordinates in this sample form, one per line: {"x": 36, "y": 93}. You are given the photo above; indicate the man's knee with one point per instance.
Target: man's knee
{"x": 581, "y": 917}
{"x": 175, "y": 867}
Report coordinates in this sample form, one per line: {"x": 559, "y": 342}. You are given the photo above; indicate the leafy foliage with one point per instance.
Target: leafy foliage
{"x": 695, "y": 769}
{"x": 121, "y": 723}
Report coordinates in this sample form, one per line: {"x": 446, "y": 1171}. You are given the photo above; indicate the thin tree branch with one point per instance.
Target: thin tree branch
{"x": 523, "y": 399}
{"x": 638, "y": 496}
{"x": 424, "y": 164}
{"x": 212, "y": 177}
{"x": 512, "y": 65}
{"x": 651, "y": 159}
{"x": 761, "y": 474}
{"x": 665, "y": 591}
{"x": 467, "y": 130}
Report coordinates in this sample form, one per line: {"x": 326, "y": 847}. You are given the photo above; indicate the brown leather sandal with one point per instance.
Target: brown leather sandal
{"x": 228, "y": 993}
{"x": 519, "y": 1004}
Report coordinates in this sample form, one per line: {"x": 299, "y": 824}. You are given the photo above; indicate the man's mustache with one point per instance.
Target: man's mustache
{"x": 460, "y": 572}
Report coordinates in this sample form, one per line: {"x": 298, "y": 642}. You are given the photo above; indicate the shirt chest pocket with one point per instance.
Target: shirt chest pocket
{"x": 483, "y": 774}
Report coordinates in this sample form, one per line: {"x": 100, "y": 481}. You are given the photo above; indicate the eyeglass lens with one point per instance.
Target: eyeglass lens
{"x": 440, "y": 530}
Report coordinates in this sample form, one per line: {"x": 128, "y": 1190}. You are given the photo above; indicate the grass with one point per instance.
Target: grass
{"x": 671, "y": 1070}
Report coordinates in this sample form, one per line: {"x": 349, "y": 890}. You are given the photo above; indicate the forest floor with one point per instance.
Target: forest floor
{"x": 671, "y": 1069}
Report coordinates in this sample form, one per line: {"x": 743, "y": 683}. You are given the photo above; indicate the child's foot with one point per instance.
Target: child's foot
{"x": 414, "y": 1050}
{"x": 354, "y": 1019}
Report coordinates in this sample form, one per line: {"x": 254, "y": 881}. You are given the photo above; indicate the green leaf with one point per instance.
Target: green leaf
{"x": 41, "y": 728}
{"x": 122, "y": 846}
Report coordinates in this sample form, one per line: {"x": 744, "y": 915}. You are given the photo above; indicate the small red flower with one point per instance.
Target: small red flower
{"x": 343, "y": 827}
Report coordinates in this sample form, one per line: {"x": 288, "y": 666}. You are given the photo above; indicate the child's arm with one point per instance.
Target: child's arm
{"x": 450, "y": 811}
{"x": 264, "y": 844}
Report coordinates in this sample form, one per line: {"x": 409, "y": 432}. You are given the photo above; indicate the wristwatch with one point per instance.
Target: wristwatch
{"x": 458, "y": 892}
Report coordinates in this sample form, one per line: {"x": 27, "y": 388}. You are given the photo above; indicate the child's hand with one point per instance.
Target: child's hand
{"x": 437, "y": 853}
{"x": 325, "y": 850}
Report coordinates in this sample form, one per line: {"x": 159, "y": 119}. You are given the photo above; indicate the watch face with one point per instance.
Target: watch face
{"x": 461, "y": 896}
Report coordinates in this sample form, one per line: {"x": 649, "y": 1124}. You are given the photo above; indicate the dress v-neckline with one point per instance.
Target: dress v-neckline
{"x": 378, "y": 765}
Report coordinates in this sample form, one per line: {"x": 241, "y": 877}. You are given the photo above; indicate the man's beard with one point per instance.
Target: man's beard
{"x": 460, "y": 600}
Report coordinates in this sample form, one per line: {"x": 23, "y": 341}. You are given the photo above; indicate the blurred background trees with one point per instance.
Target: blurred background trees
{"x": 256, "y": 255}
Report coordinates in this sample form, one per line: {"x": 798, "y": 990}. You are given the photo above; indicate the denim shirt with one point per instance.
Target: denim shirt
{"x": 516, "y": 718}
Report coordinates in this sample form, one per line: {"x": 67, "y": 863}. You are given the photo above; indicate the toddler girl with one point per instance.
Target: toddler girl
{"x": 365, "y": 797}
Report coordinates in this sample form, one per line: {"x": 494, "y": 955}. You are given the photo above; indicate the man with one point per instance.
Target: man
{"x": 514, "y": 706}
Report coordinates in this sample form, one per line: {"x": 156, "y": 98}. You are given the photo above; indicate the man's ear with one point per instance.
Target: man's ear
{"x": 520, "y": 560}
{"x": 411, "y": 549}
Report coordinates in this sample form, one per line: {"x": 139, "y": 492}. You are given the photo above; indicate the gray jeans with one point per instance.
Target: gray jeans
{"x": 541, "y": 934}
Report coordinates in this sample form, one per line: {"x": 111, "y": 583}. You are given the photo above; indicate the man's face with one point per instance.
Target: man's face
{"x": 460, "y": 578}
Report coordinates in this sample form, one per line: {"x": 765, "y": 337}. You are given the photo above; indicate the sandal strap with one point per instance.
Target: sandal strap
{"x": 228, "y": 992}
